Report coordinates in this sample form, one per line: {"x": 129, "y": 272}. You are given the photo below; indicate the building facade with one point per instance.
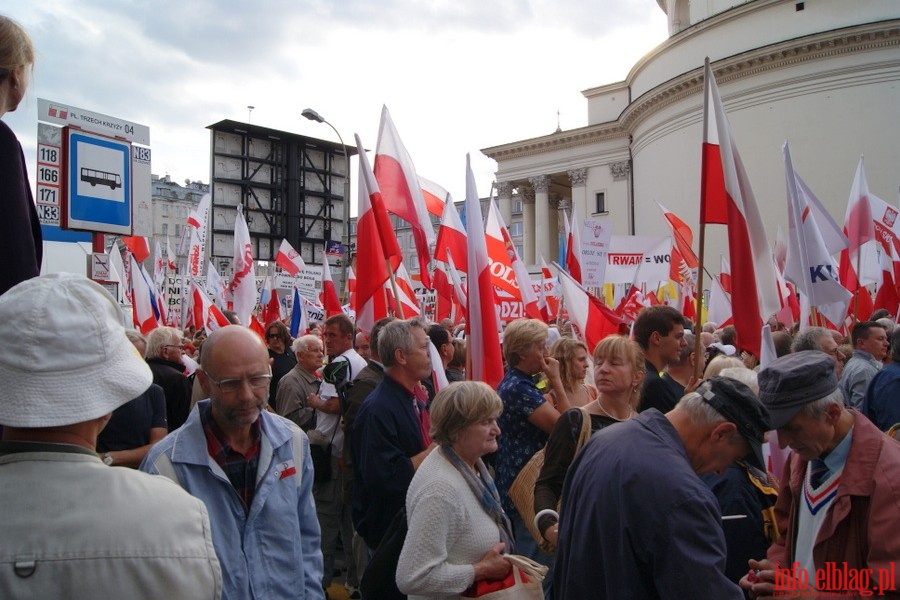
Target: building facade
{"x": 171, "y": 203}
{"x": 823, "y": 75}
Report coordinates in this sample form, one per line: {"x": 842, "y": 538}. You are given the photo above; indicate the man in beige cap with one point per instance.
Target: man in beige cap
{"x": 72, "y": 526}
{"x": 838, "y": 509}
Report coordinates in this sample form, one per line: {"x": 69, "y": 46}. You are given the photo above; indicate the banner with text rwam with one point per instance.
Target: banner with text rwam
{"x": 628, "y": 252}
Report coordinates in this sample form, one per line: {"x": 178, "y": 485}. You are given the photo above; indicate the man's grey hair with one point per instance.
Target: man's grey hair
{"x": 817, "y": 408}
{"x": 699, "y": 411}
{"x": 809, "y": 339}
{"x": 301, "y": 344}
{"x": 159, "y": 337}
{"x": 397, "y": 335}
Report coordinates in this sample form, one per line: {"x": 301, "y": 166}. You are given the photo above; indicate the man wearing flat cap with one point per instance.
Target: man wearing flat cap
{"x": 838, "y": 508}
{"x": 636, "y": 520}
{"x": 72, "y": 526}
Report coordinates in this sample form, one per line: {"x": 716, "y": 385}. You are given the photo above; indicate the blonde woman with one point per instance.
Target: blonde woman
{"x": 618, "y": 374}
{"x": 572, "y": 355}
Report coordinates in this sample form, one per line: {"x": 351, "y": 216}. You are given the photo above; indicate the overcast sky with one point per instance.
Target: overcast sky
{"x": 457, "y": 75}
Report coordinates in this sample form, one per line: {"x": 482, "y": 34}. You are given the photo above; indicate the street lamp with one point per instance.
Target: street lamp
{"x": 314, "y": 116}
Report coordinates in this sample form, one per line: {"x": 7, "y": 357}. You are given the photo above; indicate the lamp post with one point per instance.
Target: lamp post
{"x": 314, "y": 116}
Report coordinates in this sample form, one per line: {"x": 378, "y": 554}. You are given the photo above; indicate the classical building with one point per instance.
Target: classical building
{"x": 822, "y": 74}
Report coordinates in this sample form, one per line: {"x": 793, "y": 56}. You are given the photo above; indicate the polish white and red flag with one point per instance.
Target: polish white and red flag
{"x": 289, "y": 259}
{"x": 443, "y": 293}
{"x": 197, "y": 220}
{"x": 269, "y": 304}
{"x": 329, "y": 297}
{"x": 170, "y": 256}
{"x": 407, "y": 294}
{"x": 726, "y": 197}
{"x": 243, "y": 282}
{"x": 523, "y": 279}
{"x": 203, "y": 314}
{"x": 401, "y": 190}
{"x": 719, "y": 310}
{"x": 684, "y": 263}
{"x": 573, "y": 247}
{"x": 548, "y": 303}
{"x": 809, "y": 265}
{"x": 435, "y": 196}
{"x": 860, "y": 231}
{"x": 379, "y": 250}
{"x": 507, "y": 271}
{"x": 451, "y": 237}
{"x": 593, "y": 319}
{"x": 159, "y": 264}
{"x": 461, "y": 295}
{"x": 145, "y": 318}
{"x": 138, "y": 245}
{"x": 351, "y": 287}
{"x": 484, "y": 359}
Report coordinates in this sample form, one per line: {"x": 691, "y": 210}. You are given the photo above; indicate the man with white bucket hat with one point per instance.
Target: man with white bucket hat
{"x": 72, "y": 526}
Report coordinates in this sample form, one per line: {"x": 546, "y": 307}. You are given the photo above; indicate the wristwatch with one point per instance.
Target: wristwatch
{"x": 108, "y": 459}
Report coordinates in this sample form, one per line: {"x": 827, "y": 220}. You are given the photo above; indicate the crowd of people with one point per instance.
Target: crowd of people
{"x": 240, "y": 465}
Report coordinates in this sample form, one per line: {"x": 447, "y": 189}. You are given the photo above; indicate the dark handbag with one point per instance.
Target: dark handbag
{"x": 379, "y": 580}
{"x": 321, "y": 460}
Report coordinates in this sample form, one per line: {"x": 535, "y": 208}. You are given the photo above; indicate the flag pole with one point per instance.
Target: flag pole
{"x": 394, "y": 288}
{"x": 698, "y": 344}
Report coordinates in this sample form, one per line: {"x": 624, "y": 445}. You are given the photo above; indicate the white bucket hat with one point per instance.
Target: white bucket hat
{"x": 64, "y": 357}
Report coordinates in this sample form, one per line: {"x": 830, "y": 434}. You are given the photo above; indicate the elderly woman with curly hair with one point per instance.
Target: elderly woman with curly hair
{"x": 457, "y": 529}
{"x": 618, "y": 373}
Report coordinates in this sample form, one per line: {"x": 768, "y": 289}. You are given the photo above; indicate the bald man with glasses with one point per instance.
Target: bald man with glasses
{"x": 252, "y": 469}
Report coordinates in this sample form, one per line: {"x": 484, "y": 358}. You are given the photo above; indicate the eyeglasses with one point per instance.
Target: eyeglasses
{"x": 231, "y": 386}
{"x": 179, "y": 346}
{"x": 273, "y": 335}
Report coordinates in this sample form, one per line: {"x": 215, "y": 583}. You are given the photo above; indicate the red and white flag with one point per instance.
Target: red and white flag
{"x": 573, "y": 247}
{"x": 451, "y": 237}
{"x": 329, "y": 296}
{"x": 170, "y": 256}
{"x": 142, "y": 299}
{"x": 407, "y": 299}
{"x": 269, "y": 303}
{"x": 243, "y": 282}
{"x": 138, "y": 245}
{"x": 590, "y": 315}
{"x": 719, "y": 310}
{"x": 159, "y": 264}
{"x": 378, "y": 244}
{"x": 484, "y": 359}
{"x": 548, "y": 303}
{"x": 503, "y": 275}
{"x": 754, "y": 296}
{"x": 860, "y": 231}
{"x": 198, "y": 226}
{"x": 436, "y": 197}
{"x": 351, "y": 287}
{"x": 461, "y": 296}
{"x": 203, "y": 313}
{"x": 809, "y": 265}
{"x": 402, "y": 191}
{"x": 443, "y": 293}
{"x": 684, "y": 262}
{"x": 289, "y": 259}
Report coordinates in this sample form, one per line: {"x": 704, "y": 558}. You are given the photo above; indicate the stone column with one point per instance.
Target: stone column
{"x": 541, "y": 185}
{"x": 578, "y": 177}
{"x": 504, "y": 196}
{"x": 527, "y": 195}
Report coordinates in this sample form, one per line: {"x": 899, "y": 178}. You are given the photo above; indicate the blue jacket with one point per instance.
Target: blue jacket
{"x": 637, "y": 522}
{"x": 273, "y": 551}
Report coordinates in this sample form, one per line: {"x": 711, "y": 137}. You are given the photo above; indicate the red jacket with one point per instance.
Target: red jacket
{"x": 862, "y": 526}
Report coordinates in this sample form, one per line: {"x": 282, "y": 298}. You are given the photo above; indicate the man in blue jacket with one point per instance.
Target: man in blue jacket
{"x": 252, "y": 470}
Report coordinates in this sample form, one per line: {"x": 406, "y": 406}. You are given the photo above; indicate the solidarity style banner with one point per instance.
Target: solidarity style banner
{"x": 595, "y": 246}
{"x": 638, "y": 259}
